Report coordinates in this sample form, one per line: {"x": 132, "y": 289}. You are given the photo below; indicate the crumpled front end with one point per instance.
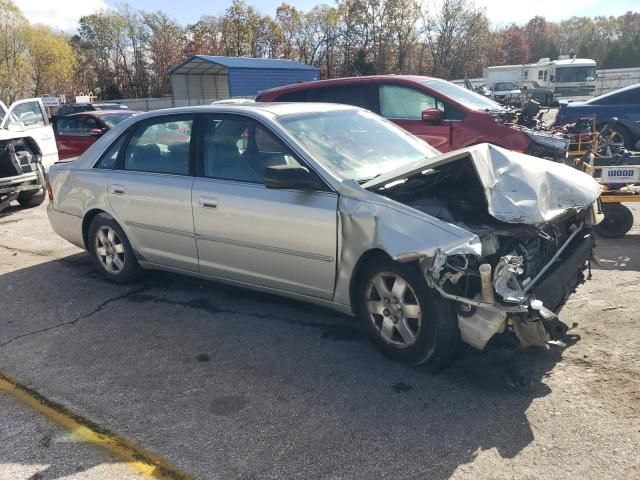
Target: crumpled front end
{"x": 533, "y": 221}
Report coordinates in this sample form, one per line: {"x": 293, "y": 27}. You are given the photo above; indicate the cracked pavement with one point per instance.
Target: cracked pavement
{"x": 227, "y": 383}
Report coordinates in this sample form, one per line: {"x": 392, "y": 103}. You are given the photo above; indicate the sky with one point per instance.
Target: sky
{"x": 64, "y": 14}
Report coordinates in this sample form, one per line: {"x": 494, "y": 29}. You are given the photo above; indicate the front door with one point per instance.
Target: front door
{"x": 404, "y": 106}
{"x": 150, "y": 192}
{"x": 280, "y": 239}
{"x": 29, "y": 116}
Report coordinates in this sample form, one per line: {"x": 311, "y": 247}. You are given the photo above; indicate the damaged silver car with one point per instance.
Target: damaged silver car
{"x": 337, "y": 206}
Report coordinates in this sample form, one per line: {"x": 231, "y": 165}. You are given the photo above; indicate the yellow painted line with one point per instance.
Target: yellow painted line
{"x": 141, "y": 461}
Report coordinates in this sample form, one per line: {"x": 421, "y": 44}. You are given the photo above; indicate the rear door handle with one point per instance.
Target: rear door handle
{"x": 117, "y": 189}
{"x": 208, "y": 202}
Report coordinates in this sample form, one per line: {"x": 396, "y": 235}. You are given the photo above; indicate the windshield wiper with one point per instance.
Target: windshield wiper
{"x": 365, "y": 180}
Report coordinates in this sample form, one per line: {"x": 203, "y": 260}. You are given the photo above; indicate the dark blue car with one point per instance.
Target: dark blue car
{"x": 624, "y": 104}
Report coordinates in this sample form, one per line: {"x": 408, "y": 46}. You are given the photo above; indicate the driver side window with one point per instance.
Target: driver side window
{"x": 240, "y": 149}
{"x": 399, "y": 102}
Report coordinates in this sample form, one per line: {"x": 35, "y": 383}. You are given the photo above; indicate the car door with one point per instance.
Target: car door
{"x": 29, "y": 116}
{"x": 74, "y": 134}
{"x": 149, "y": 191}
{"x": 404, "y": 105}
{"x": 279, "y": 239}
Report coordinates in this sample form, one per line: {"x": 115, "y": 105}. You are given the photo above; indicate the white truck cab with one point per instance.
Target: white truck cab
{"x": 28, "y": 118}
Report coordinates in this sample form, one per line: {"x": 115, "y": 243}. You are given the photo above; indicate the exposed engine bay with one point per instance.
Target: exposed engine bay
{"x": 20, "y": 169}
{"x": 514, "y": 273}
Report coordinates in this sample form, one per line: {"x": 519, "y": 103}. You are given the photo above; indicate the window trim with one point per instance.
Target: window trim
{"x": 199, "y": 171}
{"x": 176, "y": 117}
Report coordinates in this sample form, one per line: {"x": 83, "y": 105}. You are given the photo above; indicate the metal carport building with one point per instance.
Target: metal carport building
{"x": 204, "y": 78}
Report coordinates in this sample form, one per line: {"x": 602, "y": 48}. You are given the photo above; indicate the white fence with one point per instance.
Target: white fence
{"x": 613, "y": 79}
{"x": 147, "y": 104}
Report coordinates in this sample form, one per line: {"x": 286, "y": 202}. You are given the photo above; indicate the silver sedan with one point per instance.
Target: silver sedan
{"x": 337, "y": 206}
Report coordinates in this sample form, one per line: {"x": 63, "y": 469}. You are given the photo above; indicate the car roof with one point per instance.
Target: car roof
{"x": 266, "y": 109}
{"x": 349, "y": 80}
{"x": 613, "y": 94}
{"x": 100, "y": 113}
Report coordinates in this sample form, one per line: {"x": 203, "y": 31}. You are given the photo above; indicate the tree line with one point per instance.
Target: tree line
{"x": 125, "y": 53}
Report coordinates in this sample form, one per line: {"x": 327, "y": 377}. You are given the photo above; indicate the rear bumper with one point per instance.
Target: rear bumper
{"x": 67, "y": 226}
{"x": 19, "y": 183}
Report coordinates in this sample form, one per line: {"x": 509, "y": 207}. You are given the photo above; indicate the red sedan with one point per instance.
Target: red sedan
{"x": 77, "y": 132}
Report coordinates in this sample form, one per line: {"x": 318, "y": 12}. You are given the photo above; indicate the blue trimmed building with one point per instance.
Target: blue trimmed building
{"x": 204, "y": 78}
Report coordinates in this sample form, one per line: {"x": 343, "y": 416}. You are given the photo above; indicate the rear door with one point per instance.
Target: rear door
{"x": 150, "y": 191}
{"x": 73, "y": 134}
{"x": 404, "y": 106}
{"x": 30, "y": 116}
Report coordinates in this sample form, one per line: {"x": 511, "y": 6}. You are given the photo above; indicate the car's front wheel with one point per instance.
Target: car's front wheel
{"x": 406, "y": 320}
{"x": 111, "y": 251}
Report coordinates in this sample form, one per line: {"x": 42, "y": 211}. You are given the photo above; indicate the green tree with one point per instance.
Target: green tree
{"x": 50, "y": 61}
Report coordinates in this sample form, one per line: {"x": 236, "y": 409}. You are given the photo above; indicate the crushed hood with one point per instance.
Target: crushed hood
{"x": 518, "y": 188}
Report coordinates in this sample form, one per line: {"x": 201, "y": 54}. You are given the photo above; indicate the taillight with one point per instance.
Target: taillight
{"x": 49, "y": 192}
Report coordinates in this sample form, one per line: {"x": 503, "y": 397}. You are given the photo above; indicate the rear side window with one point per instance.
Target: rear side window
{"x": 299, "y": 96}
{"x": 356, "y": 95}
{"x": 160, "y": 147}
{"x": 625, "y": 98}
{"x": 75, "y": 126}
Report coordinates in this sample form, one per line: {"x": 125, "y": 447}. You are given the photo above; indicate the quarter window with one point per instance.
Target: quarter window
{"x": 356, "y": 95}
{"x": 160, "y": 147}
{"x": 110, "y": 157}
{"x": 241, "y": 149}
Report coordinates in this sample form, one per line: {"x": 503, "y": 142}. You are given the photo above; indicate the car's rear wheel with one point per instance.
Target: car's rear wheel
{"x": 406, "y": 320}
{"x": 111, "y": 251}
{"x": 614, "y": 139}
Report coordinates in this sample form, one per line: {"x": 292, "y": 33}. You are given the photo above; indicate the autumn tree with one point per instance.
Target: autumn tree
{"x": 50, "y": 61}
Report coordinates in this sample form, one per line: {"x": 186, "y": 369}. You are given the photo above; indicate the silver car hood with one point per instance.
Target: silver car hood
{"x": 518, "y": 188}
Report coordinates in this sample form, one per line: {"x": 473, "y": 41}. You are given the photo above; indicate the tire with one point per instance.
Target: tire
{"x": 429, "y": 335}
{"x": 32, "y": 199}
{"x": 618, "y": 220}
{"x": 111, "y": 251}
{"x": 619, "y": 136}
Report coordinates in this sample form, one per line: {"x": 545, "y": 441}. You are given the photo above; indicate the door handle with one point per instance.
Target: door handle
{"x": 117, "y": 189}
{"x": 208, "y": 202}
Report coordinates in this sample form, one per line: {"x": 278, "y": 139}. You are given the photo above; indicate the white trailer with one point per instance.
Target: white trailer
{"x": 550, "y": 81}
{"x": 503, "y": 73}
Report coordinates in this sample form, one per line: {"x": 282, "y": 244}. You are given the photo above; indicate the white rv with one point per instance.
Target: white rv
{"x": 550, "y": 81}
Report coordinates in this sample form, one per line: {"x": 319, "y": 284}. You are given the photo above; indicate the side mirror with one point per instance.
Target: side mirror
{"x": 552, "y": 78}
{"x": 293, "y": 177}
{"x": 432, "y": 115}
{"x": 96, "y": 132}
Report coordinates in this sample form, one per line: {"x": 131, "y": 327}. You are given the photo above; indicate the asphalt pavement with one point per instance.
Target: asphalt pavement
{"x": 221, "y": 382}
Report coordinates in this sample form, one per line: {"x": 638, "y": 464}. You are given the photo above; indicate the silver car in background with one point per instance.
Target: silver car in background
{"x": 336, "y": 206}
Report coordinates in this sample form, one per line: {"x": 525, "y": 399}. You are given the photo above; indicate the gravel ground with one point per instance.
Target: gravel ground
{"x": 227, "y": 383}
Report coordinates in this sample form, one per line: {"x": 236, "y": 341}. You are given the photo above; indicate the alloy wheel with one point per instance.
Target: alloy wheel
{"x": 110, "y": 250}
{"x": 393, "y": 309}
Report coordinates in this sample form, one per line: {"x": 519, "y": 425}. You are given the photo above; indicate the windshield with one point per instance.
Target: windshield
{"x": 506, "y": 86}
{"x": 461, "y": 95}
{"x": 575, "y": 74}
{"x": 356, "y": 144}
{"x": 113, "y": 120}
